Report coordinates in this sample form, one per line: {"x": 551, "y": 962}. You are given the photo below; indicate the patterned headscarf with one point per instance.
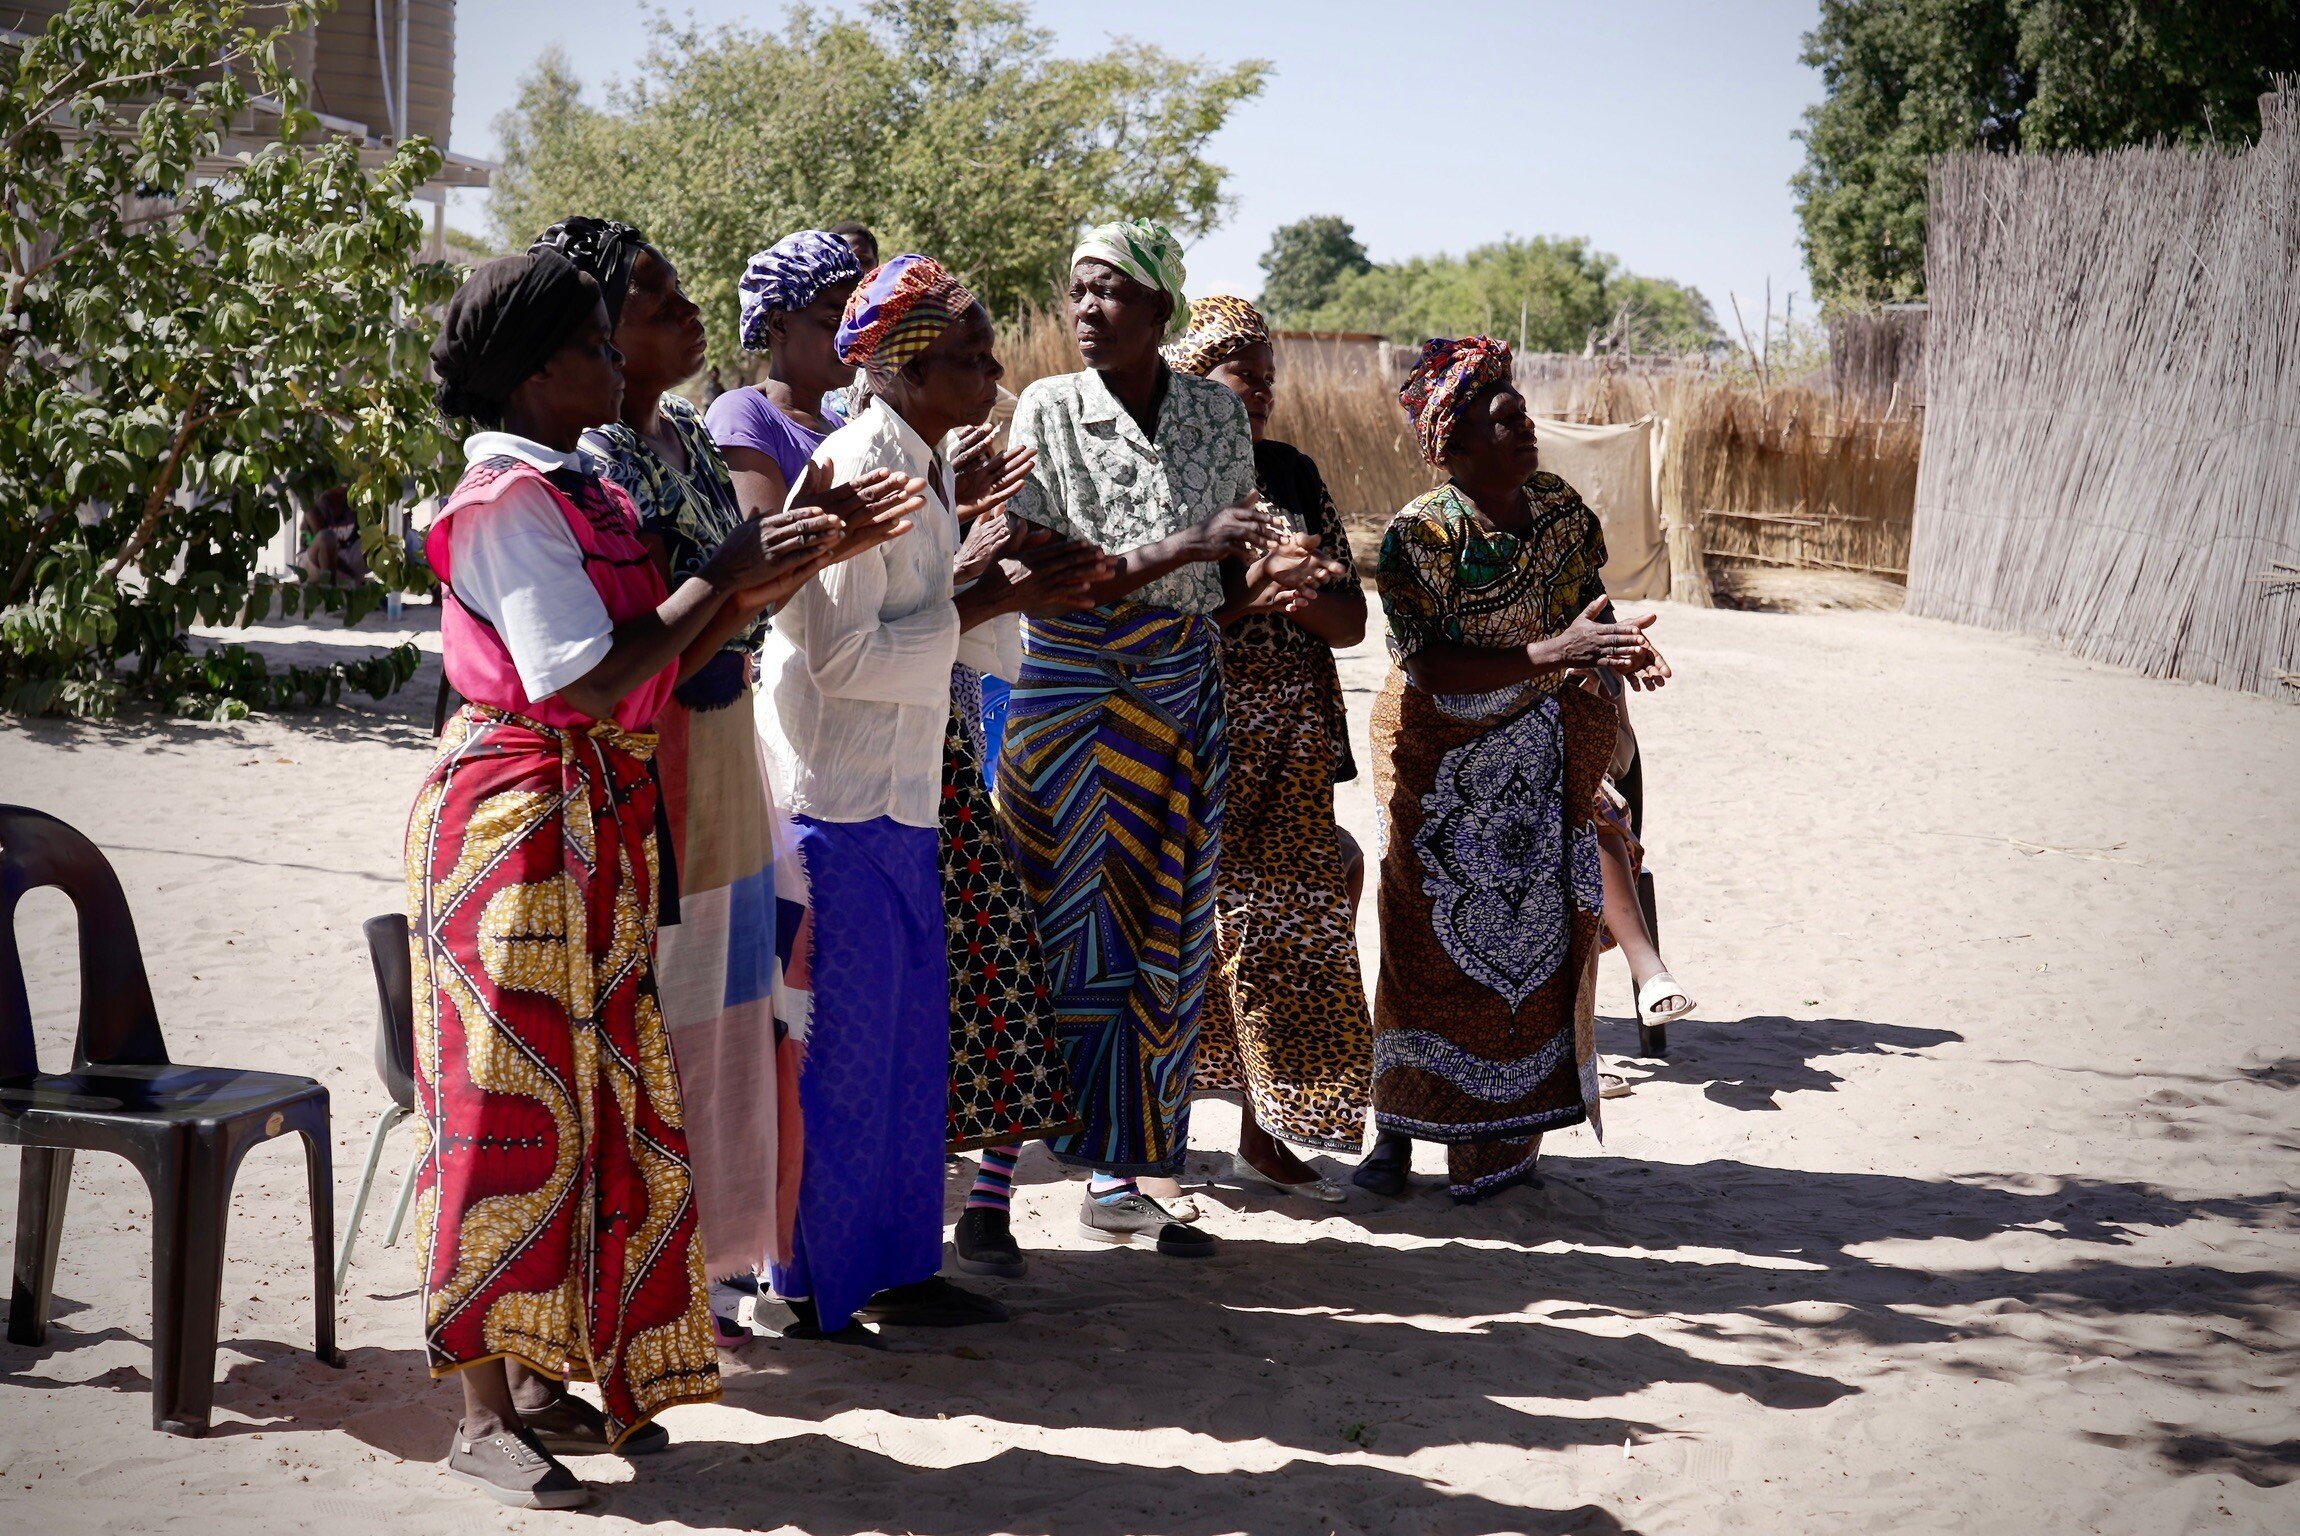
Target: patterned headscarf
{"x": 1143, "y": 249}
{"x": 604, "y": 248}
{"x": 898, "y": 310}
{"x": 789, "y": 275}
{"x": 1444, "y": 379}
{"x": 1222, "y": 325}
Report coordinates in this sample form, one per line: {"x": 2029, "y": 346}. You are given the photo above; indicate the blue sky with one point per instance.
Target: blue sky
{"x": 1659, "y": 129}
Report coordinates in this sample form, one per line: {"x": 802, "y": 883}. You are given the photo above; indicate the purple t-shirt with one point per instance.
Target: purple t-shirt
{"x": 746, "y": 418}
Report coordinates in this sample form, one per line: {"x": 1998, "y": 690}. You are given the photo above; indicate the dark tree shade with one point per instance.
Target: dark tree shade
{"x": 1910, "y": 79}
{"x": 1304, "y": 263}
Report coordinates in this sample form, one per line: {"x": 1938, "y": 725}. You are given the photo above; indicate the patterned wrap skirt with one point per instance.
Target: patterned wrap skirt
{"x": 1484, "y": 1024}
{"x": 1286, "y": 1021}
{"x": 556, "y": 1212}
{"x": 732, "y": 974}
{"x": 1110, "y": 785}
{"x": 1008, "y": 1079}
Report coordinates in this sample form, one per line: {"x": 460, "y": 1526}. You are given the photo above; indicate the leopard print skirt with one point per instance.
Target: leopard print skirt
{"x": 1286, "y": 1022}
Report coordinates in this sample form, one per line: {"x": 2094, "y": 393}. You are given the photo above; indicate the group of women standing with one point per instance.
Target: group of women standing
{"x": 723, "y": 938}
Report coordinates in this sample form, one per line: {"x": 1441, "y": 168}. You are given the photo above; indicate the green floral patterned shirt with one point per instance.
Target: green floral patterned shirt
{"x": 693, "y": 510}
{"x": 1100, "y": 478}
{"x": 1450, "y": 577}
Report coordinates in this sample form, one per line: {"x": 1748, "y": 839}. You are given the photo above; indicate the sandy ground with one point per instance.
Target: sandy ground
{"x": 1962, "y": 1204}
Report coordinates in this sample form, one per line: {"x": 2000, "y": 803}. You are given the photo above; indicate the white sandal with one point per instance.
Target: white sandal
{"x": 1649, "y": 998}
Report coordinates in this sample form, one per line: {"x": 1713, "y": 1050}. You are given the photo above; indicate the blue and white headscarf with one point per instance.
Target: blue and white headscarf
{"x": 789, "y": 275}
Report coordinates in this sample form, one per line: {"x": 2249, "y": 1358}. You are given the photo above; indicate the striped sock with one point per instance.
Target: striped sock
{"x": 994, "y": 1185}
{"x": 1109, "y": 1186}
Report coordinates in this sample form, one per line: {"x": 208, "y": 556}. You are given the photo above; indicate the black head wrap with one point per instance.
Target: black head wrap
{"x": 503, "y": 324}
{"x": 602, "y": 247}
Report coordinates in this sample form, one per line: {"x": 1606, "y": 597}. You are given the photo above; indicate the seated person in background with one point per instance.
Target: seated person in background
{"x": 333, "y": 555}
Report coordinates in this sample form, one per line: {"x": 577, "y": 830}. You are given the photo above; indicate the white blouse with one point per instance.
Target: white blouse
{"x": 856, "y": 687}
{"x": 517, "y": 567}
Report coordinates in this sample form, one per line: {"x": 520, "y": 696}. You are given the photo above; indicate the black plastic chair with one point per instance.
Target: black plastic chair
{"x": 184, "y": 1128}
{"x": 387, "y": 954}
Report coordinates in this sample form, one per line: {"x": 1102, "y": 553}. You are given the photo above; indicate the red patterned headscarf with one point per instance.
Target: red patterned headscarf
{"x": 1445, "y": 378}
{"x": 897, "y": 312}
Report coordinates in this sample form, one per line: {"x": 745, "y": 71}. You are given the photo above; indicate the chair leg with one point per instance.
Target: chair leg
{"x": 384, "y": 1126}
{"x": 319, "y": 1168}
{"x": 1652, "y": 1039}
{"x": 42, "y": 1184}
{"x": 191, "y": 1204}
{"x": 406, "y": 1199}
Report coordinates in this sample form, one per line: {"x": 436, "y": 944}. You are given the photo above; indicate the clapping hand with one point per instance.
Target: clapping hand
{"x": 871, "y": 508}
{"x": 1289, "y": 578}
{"x": 770, "y": 555}
{"x": 1049, "y": 575}
{"x": 980, "y": 552}
{"x": 987, "y": 479}
{"x": 1617, "y": 646}
{"x": 1243, "y": 532}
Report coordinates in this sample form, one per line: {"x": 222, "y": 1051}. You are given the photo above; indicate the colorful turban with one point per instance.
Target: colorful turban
{"x": 605, "y": 248}
{"x": 897, "y": 312}
{"x": 1445, "y": 378}
{"x": 1143, "y": 249}
{"x": 789, "y": 275}
{"x": 1222, "y": 325}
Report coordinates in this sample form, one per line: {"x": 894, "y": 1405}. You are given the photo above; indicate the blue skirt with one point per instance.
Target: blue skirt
{"x": 875, "y": 1077}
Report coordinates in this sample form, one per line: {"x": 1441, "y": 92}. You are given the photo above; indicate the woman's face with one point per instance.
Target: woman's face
{"x": 1253, "y": 377}
{"x": 661, "y": 332}
{"x": 1494, "y": 440}
{"x": 802, "y": 344}
{"x": 581, "y": 386}
{"x": 1116, "y": 321}
{"x": 957, "y": 377}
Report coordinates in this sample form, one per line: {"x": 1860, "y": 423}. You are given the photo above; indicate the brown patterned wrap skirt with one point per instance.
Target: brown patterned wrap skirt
{"x": 1484, "y": 1028}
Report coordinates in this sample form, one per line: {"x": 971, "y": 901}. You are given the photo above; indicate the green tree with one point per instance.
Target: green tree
{"x": 950, "y": 126}
{"x": 190, "y": 346}
{"x": 1906, "y": 80}
{"x": 1305, "y": 261}
{"x": 1559, "y": 295}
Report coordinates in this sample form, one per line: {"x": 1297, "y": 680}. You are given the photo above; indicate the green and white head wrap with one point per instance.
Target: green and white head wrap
{"x": 1143, "y": 249}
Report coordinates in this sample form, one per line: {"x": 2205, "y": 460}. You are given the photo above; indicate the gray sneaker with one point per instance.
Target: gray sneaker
{"x": 1134, "y": 1216}
{"x": 512, "y": 1469}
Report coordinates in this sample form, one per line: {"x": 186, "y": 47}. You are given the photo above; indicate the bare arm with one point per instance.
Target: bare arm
{"x": 1586, "y": 642}
{"x": 1239, "y": 532}
{"x": 752, "y": 558}
{"x": 760, "y": 485}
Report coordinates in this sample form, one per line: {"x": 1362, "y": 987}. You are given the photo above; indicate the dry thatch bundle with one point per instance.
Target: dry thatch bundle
{"x": 1791, "y": 476}
{"x": 2112, "y": 435}
{"x": 1878, "y": 355}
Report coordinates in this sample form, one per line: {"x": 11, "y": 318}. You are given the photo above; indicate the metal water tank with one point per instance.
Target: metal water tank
{"x": 357, "y": 71}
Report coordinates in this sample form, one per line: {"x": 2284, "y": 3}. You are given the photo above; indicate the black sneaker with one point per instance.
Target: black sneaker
{"x": 569, "y": 1426}
{"x": 806, "y": 1326}
{"x": 1134, "y": 1216}
{"x": 512, "y": 1469}
{"x": 934, "y": 1303}
{"x": 984, "y": 1240}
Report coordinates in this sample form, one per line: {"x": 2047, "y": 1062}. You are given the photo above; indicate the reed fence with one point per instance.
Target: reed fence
{"x": 2112, "y": 426}
{"x": 1878, "y": 355}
